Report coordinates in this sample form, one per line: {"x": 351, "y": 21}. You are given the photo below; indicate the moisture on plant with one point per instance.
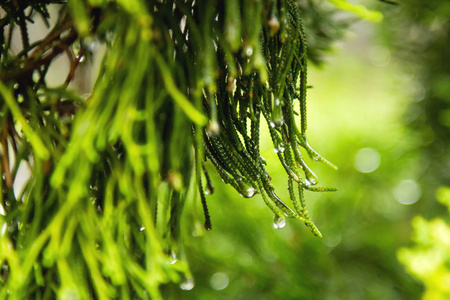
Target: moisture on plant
{"x": 184, "y": 87}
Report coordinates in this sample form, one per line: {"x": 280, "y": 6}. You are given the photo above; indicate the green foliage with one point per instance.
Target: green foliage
{"x": 358, "y": 9}
{"x": 429, "y": 259}
{"x": 100, "y": 216}
{"x": 424, "y": 27}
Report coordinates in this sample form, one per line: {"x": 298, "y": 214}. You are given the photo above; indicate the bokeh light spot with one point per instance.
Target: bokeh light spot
{"x": 367, "y": 160}
{"x": 219, "y": 281}
{"x": 407, "y": 192}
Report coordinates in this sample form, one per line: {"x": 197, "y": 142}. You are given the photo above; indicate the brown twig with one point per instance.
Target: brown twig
{"x": 31, "y": 63}
{"x": 5, "y": 156}
{"x": 74, "y": 62}
{"x": 53, "y": 35}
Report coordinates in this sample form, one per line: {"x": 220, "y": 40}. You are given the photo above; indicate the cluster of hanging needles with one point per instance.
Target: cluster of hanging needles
{"x": 258, "y": 80}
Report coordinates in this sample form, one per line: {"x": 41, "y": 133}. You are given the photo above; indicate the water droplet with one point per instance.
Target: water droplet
{"x": 276, "y": 122}
{"x": 172, "y": 257}
{"x": 277, "y": 113}
{"x": 142, "y": 229}
{"x": 183, "y": 23}
{"x": 310, "y": 181}
{"x": 20, "y": 98}
{"x": 278, "y": 222}
{"x": 81, "y": 58}
{"x": 36, "y": 76}
{"x": 279, "y": 147}
{"x": 207, "y": 224}
{"x": 249, "y": 51}
{"x": 274, "y": 25}
{"x": 209, "y": 188}
{"x": 187, "y": 284}
{"x": 250, "y": 192}
{"x": 213, "y": 129}
{"x": 76, "y": 48}
{"x": 231, "y": 86}
{"x": 246, "y": 190}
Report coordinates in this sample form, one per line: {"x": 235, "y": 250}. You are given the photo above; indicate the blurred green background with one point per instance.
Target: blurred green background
{"x": 366, "y": 111}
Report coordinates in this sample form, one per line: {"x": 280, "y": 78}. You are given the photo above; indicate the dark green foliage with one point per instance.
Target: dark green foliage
{"x": 424, "y": 27}
{"x": 181, "y": 84}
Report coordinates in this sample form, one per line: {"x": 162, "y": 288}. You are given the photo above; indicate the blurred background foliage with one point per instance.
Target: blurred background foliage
{"x": 379, "y": 108}
{"x": 429, "y": 259}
